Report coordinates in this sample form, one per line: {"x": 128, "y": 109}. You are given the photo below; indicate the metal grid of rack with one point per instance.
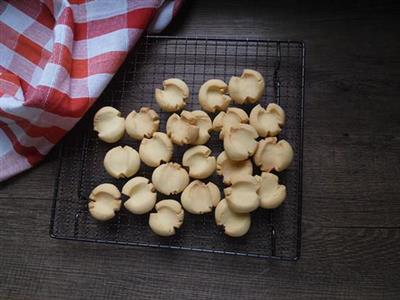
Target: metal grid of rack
{"x": 274, "y": 233}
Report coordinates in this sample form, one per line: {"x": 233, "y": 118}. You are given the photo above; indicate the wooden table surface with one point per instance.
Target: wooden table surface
{"x": 351, "y": 207}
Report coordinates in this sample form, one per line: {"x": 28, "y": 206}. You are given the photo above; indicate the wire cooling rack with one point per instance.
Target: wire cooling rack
{"x": 274, "y": 233}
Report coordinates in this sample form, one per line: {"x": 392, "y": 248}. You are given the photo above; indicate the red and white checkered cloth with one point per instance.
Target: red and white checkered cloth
{"x": 56, "y": 57}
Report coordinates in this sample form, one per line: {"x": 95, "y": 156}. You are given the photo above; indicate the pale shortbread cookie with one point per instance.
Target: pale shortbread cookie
{"x": 212, "y": 95}
{"x": 142, "y": 195}
{"x": 167, "y": 219}
{"x": 104, "y": 202}
{"x": 199, "y": 162}
{"x": 170, "y": 178}
{"x": 240, "y": 142}
{"x": 271, "y": 193}
{"x": 199, "y": 198}
{"x": 174, "y": 95}
{"x": 203, "y": 121}
{"x": 267, "y": 122}
{"x": 225, "y": 120}
{"x": 156, "y": 150}
{"x": 142, "y": 124}
{"x": 109, "y": 124}
{"x": 122, "y": 162}
{"x": 183, "y": 129}
{"x": 242, "y": 196}
{"x": 235, "y": 224}
{"x": 273, "y": 155}
{"x": 228, "y": 168}
{"x": 248, "y": 88}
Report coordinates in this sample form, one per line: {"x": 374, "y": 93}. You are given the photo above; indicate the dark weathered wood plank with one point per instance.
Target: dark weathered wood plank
{"x": 351, "y": 208}
{"x": 336, "y": 262}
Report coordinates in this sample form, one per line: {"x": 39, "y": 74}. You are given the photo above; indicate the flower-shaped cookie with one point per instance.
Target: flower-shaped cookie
{"x": 182, "y": 129}
{"x": 170, "y": 178}
{"x": 273, "y": 155}
{"x": 248, "y": 88}
{"x": 122, "y": 162}
{"x": 199, "y": 198}
{"x": 225, "y": 120}
{"x": 267, "y": 122}
{"x": 242, "y": 196}
{"x": 240, "y": 142}
{"x": 199, "y": 162}
{"x": 212, "y": 95}
{"x": 174, "y": 95}
{"x": 142, "y": 124}
{"x": 156, "y": 150}
{"x": 109, "y": 124}
{"x": 235, "y": 224}
{"x": 230, "y": 168}
{"x": 167, "y": 219}
{"x": 271, "y": 193}
{"x": 104, "y": 201}
{"x": 142, "y": 195}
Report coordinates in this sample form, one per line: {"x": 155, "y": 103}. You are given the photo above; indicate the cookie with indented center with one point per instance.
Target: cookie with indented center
{"x": 167, "y": 219}
{"x": 234, "y": 224}
{"x": 173, "y": 96}
{"x": 225, "y": 120}
{"x": 242, "y": 196}
{"x": 183, "y": 129}
{"x": 269, "y": 121}
{"x": 228, "y": 168}
{"x": 248, "y": 88}
{"x": 142, "y": 124}
{"x": 122, "y": 162}
{"x": 273, "y": 155}
{"x": 240, "y": 142}
{"x": 156, "y": 150}
{"x": 109, "y": 124}
{"x": 213, "y": 95}
{"x": 199, "y": 162}
{"x": 271, "y": 193}
{"x": 142, "y": 195}
{"x": 199, "y": 198}
{"x": 170, "y": 178}
{"x": 104, "y": 202}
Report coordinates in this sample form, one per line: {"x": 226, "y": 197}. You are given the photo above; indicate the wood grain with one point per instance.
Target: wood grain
{"x": 351, "y": 208}
{"x": 336, "y": 263}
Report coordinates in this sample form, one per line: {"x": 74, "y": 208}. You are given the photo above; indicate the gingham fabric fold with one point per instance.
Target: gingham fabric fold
{"x": 56, "y": 57}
